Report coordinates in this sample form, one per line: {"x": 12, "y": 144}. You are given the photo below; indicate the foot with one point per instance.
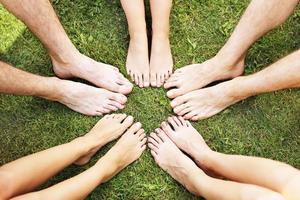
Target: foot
{"x": 128, "y": 149}
{"x": 196, "y": 76}
{"x": 109, "y": 128}
{"x": 173, "y": 161}
{"x": 100, "y": 74}
{"x": 161, "y": 62}
{"x": 137, "y": 63}
{"x": 204, "y": 103}
{"x": 88, "y": 100}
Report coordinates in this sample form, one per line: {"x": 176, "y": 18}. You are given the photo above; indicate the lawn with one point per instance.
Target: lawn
{"x": 267, "y": 125}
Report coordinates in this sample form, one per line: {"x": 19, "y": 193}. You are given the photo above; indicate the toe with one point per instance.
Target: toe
{"x": 178, "y": 101}
{"x": 158, "y": 81}
{"x": 154, "y": 154}
{"x": 153, "y": 142}
{"x": 155, "y": 137}
{"x": 110, "y": 108}
{"x": 120, "y": 98}
{"x": 116, "y": 104}
{"x": 179, "y": 108}
{"x": 183, "y": 121}
{"x": 171, "y": 84}
{"x": 161, "y": 134}
{"x": 185, "y": 111}
{"x": 127, "y": 122}
{"x": 173, "y": 123}
{"x": 143, "y": 141}
{"x": 166, "y": 127}
{"x": 146, "y": 80}
{"x": 134, "y": 128}
{"x": 175, "y": 93}
{"x": 141, "y": 81}
{"x": 120, "y": 117}
{"x": 178, "y": 122}
{"x": 190, "y": 114}
{"x": 153, "y": 80}
{"x": 153, "y": 147}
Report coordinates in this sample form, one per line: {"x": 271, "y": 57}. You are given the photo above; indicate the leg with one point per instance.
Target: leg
{"x": 20, "y": 176}
{"x": 161, "y": 62}
{"x": 259, "y": 18}
{"x": 40, "y": 17}
{"x": 137, "y": 63}
{"x": 270, "y": 174}
{"x": 184, "y": 170}
{"x": 128, "y": 149}
{"x": 204, "y": 103}
{"x": 82, "y": 98}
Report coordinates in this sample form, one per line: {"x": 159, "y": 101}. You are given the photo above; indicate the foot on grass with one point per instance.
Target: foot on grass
{"x": 204, "y": 103}
{"x": 100, "y": 74}
{"x": 88, "y": 100}
{"x": 137, "y": 63}
{"x": 167, "y": 155}
{"x": 128, "y": 149}
{"x": 161, "y": 62}
{"x": 196, "y": 76}
{"x": 109, "y": 128}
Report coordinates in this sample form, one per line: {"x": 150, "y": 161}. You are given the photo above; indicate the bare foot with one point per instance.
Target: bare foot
{"x": 100, "y": 74}
{"x": 109, "y": 128}
{"x": 173, "y": 161}
{"x": 88, "y": 100}
{"x": 193, "y": 77}
{"x": 137, "y": 63}
{"x": 204, "y": 103}
{"x": 128, "y": 149}
{"x": 161, "y": 62}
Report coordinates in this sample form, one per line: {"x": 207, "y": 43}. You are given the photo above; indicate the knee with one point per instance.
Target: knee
{"x": 6, "y": 185}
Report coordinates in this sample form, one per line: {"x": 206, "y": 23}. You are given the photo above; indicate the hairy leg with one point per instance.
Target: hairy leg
{"x": 79, "y": 97}
{"x": 181, "y": 168}
{"x": 204, "y": 103}
{"x": 40, "y": 17}
{"x": 137, "y": 63}
{"x": 128, "y": 149}
{"x": 259, "y": 18}
{"x": 161, "y": 62}
{"x": 270, "y": 174}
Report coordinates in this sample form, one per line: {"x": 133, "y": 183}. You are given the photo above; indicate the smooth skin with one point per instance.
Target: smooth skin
{"x": 270, "y": 180}
{"x": 142, "y": 71}
{"x": 184, "y": 85}
{"x": 19, "y": 178}
{"x": 68, "y": 62}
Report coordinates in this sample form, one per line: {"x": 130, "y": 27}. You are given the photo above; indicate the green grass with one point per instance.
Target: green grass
{"x": 267, "y": 125}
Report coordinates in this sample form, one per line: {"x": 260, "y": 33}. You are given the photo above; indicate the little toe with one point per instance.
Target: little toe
{"x": 153, "y": 142}
{"x": 183, "y": 121}
{"x": 153, "y": 147}
{"x": 162, "y": 135}
{"x": 154, "y": 154}
{"x": 173, "y": 123}
{"x": 178, "y": 122}
{"x": 166, "y": 127}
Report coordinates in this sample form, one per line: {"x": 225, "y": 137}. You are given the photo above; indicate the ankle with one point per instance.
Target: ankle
{"x": 236, "y": 89}
{"x": 65, "y": 58}
{"x": 84, "y": 145}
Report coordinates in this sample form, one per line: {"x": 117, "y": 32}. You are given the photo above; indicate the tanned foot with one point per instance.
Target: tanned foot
{"x": 88, "y": 100}
{"x": 161, "y": 62}
{"x": 109, "y": 128}
{"x": 196, "y": 76}
{"x": 100, "y": 74}
{"x": 204, "y": 103}
{"x": 167, "y": 155}
{"x": 128, "y": 149}
{"x": 137, "y": 63}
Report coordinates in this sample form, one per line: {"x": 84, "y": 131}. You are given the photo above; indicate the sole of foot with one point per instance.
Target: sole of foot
{"x": 167, "y": 155}
{"x": 137, "y": 63}
{"x": 196, "y": 76}
{"x": 109, "y": 128}
{"x": 161, "y": 62}
{"x": 100, "y": 74}
{"x": 204, "y": 103}
{"x": 127, "y": 150}
{"x": 89, "y": 100}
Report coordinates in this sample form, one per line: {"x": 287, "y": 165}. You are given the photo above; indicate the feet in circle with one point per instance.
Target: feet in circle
{"x": 89, "y": 100}
{"x": 137, "y": 63}
{"x": 128, "y": 149}
{"x": 204, "y": 103}
{"x": 167, "y": 155}
{"x": 100, "y": 74}
{"x": 161, "y": 62}
{"x": 109, "y": 128}
{"x": 196, "y": 76}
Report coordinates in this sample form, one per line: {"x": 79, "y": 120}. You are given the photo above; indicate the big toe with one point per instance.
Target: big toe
{"x": 153, "y": 78}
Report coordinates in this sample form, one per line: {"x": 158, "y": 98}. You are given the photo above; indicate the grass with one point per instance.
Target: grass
{"x": 266, "y": 125}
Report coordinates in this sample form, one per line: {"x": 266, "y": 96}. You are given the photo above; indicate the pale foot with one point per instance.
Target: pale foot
{"x": 173, "y": 161}
{"x": 109, "y": 128}
{"x": 100, "y": 74}
{"x": 88, "y": 100}
{"x": 137, "y": 63}
{"x": 196, "y": 76}
{"x": 161, "y": 62}
{"x": 204, "y": 103}
{"x": 128, "y": 149}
